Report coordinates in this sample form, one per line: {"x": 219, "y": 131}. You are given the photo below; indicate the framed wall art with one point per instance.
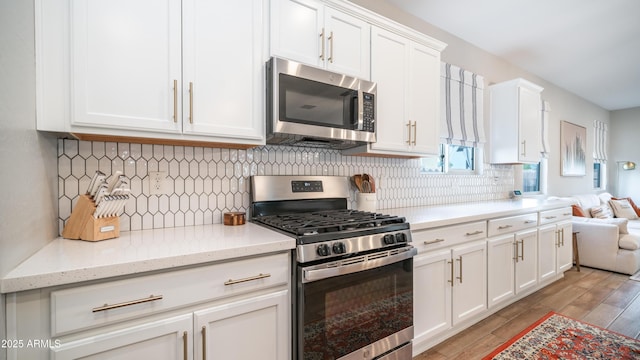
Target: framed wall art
{"x": 573, "y": 149}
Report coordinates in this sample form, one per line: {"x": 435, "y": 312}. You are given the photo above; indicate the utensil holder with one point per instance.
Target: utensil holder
{"x": 366, "y": 201}
{"x": 83, "y": 226}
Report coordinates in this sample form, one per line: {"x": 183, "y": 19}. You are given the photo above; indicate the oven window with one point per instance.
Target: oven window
{"x": 345, "y": 313}
{"x": 311, "y": 102}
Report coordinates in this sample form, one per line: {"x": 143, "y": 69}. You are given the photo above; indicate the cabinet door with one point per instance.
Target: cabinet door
{"x": 565, "y": 248}
{"x": 501, "y": 269}
{"x": 296, "y": 28}
{"x": 431, "y": 294}
{"x": 125, "y": 60}
{"x": 223, "y": 87}
{"x": 255, "y": 328}
{"x": 389, "y": 69}
{"x": 526, "y": 259}
{"x": 164, "y": 339}
{"x": 529, "y": 125}
{"x": 424, "y": 99}
{"x": 470, "y": 280}
{"x": 348, "y": 44}
{"x": 547, "y": 245}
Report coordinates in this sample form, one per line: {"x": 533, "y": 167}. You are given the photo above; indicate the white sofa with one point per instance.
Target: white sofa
{"x": 611, "y": 243}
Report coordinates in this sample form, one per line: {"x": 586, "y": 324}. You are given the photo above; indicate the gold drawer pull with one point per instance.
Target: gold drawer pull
{"x": 550, "y": 217}
{"x": 474, "y": 233}
{"x": 504, "y": 227}
{"x": 433, "y": 241}
{"x": 252, "y": 278}
{"x": 567, "y": 214}
{"x": 106, "y": 307}
{"x": 530, "y": 221}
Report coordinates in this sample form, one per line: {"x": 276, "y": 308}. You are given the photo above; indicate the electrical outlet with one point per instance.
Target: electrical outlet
{"x": 156, "y": 182}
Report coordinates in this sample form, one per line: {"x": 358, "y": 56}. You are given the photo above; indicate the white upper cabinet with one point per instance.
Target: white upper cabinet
{"x": 408, "y": 99}
{"x": 174, "y": 70}
{"x": 309, "y": 32}
{"x": 516, "y": 122}
{"x": 223, "y": 86}
{"x": 122, "y": 73}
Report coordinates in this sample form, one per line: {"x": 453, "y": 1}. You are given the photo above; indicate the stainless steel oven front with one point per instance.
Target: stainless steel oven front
{"x": 356, "y": 308}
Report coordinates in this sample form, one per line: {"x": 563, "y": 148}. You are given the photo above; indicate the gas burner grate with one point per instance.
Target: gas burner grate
{"x": 330, "y": 221}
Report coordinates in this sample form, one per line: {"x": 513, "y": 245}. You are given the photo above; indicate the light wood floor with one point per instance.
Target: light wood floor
{"x": 602, "y": 298}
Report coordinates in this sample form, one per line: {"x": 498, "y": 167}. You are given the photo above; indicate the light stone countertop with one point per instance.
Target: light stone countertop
{"x": 427, "y": 217}
{"x": 64, "y": 261}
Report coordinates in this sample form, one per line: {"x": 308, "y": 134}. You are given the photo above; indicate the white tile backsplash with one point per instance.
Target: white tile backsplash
{"x": 203, "y": 183}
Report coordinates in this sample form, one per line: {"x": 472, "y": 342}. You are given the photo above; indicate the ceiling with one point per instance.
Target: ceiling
{"x": 588, "y": 47}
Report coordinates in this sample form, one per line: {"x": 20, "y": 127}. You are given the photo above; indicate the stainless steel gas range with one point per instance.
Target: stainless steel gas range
{"x": 352, "y": 274}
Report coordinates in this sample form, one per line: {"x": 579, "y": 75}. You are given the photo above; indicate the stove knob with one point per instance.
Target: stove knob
{"x": 389, "y": 239}
{"x": 323, "y": 250}
{"x": 401, "y": 238}
{"x": 339, "y": 248}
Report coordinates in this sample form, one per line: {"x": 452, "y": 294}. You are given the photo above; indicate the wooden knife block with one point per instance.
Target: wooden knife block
{"x": 83, "y": 226}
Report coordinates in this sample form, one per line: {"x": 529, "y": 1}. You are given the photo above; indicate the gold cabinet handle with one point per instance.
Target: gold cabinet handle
{"x": 251, "y": 278}
{"x": 415, "y": 131}
{"x": 204, "y": 343}
{"x": 524, "y": 148}
{"x": 185, "y": 349}
{"x": 191, "y": 102}
{"x": 460, "y": 277}
{"x": 504, "y": 227}
{"x": 409, "y": 130}
{"x": 429, "y": 242}
{"x": 322, "y": 42}
{"x": 474, "y": 233}
{"x": 331, "y": 47}
{"x": 550, "y": 217}
{"x": 106, "y": 307}
{"x": 451, "y": 280}
{"x": 175, "y": 101}
{"x": 530, "y": 221}
{"x": 522, "y": 249}
{"x": 567, "y": 214}
{"x": 515, "y": 251}
{"x": 562, "y": 232}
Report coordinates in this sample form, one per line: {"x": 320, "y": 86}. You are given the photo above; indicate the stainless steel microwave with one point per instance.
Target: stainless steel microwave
{"x": 314, "y": 107}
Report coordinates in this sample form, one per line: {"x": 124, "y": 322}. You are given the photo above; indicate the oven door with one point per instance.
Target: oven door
{"x": 356, "y": 308}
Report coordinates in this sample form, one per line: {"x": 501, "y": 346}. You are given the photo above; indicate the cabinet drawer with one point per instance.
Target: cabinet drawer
{"x": 551, "y": 216}
{"x": 511, "y": 224}
{"x": 100, "y": 304}
{"x": 432, "y": 239}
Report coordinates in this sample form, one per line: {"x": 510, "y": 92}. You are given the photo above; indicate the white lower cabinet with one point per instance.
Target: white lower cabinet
{"x": 169, "y": 338}
{"x": 512, "y": 265}
{"x": 449, "y": 287}
{"x": 194, "y": 313}
{"x": 261, "y": 322}
{"x": 555, "y": 248}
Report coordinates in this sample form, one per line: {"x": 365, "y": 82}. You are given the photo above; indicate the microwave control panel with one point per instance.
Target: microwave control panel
{"x": 368, "y": 116}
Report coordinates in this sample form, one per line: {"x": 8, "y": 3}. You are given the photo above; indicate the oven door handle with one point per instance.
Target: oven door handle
{"x": 311, "y": 273}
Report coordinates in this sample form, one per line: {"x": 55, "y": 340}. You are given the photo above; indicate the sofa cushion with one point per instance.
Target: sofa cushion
{"x": 622, "y": 209}
{"x": 629, "y": 242}
{"x": 621, "y": 223}
{"x": 587, "y": 201}
{"x": 578, "y": 211}
{"x": 633, "y": 205}
{"x": 601, "y": 212}
{"x": 605, "y": 197}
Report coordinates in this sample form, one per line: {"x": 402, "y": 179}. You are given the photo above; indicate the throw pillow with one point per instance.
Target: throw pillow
{"x": 623, "y": 209}
{"x": 629, "y": 242}
{"x": 601, "y": 212}
{"x": 635, "y": 208}
{"x": 578, "y": 211}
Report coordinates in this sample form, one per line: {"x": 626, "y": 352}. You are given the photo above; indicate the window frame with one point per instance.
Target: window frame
{"x": 444, "y": 156}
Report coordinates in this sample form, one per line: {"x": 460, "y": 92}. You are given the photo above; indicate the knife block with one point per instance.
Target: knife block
{"x": 83, "y": 226}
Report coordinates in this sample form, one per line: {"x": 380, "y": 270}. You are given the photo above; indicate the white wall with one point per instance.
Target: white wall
{"x": 624, "y": 133}
{"x": 565, "y": 106}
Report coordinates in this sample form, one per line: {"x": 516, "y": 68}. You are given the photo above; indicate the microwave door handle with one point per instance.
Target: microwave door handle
{"x": 359, "y": 115}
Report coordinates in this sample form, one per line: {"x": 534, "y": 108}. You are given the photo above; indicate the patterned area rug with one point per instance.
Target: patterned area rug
{"x": 558, "y": 337}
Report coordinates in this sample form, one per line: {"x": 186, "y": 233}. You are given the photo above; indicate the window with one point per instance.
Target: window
{"x": 597, "y": 176}
{"x": 531, "y": 178}
{"x": 452, "y": 158}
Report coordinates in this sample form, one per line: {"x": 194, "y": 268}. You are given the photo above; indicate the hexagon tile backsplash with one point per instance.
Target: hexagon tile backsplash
{"x": 203, "y": 183}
